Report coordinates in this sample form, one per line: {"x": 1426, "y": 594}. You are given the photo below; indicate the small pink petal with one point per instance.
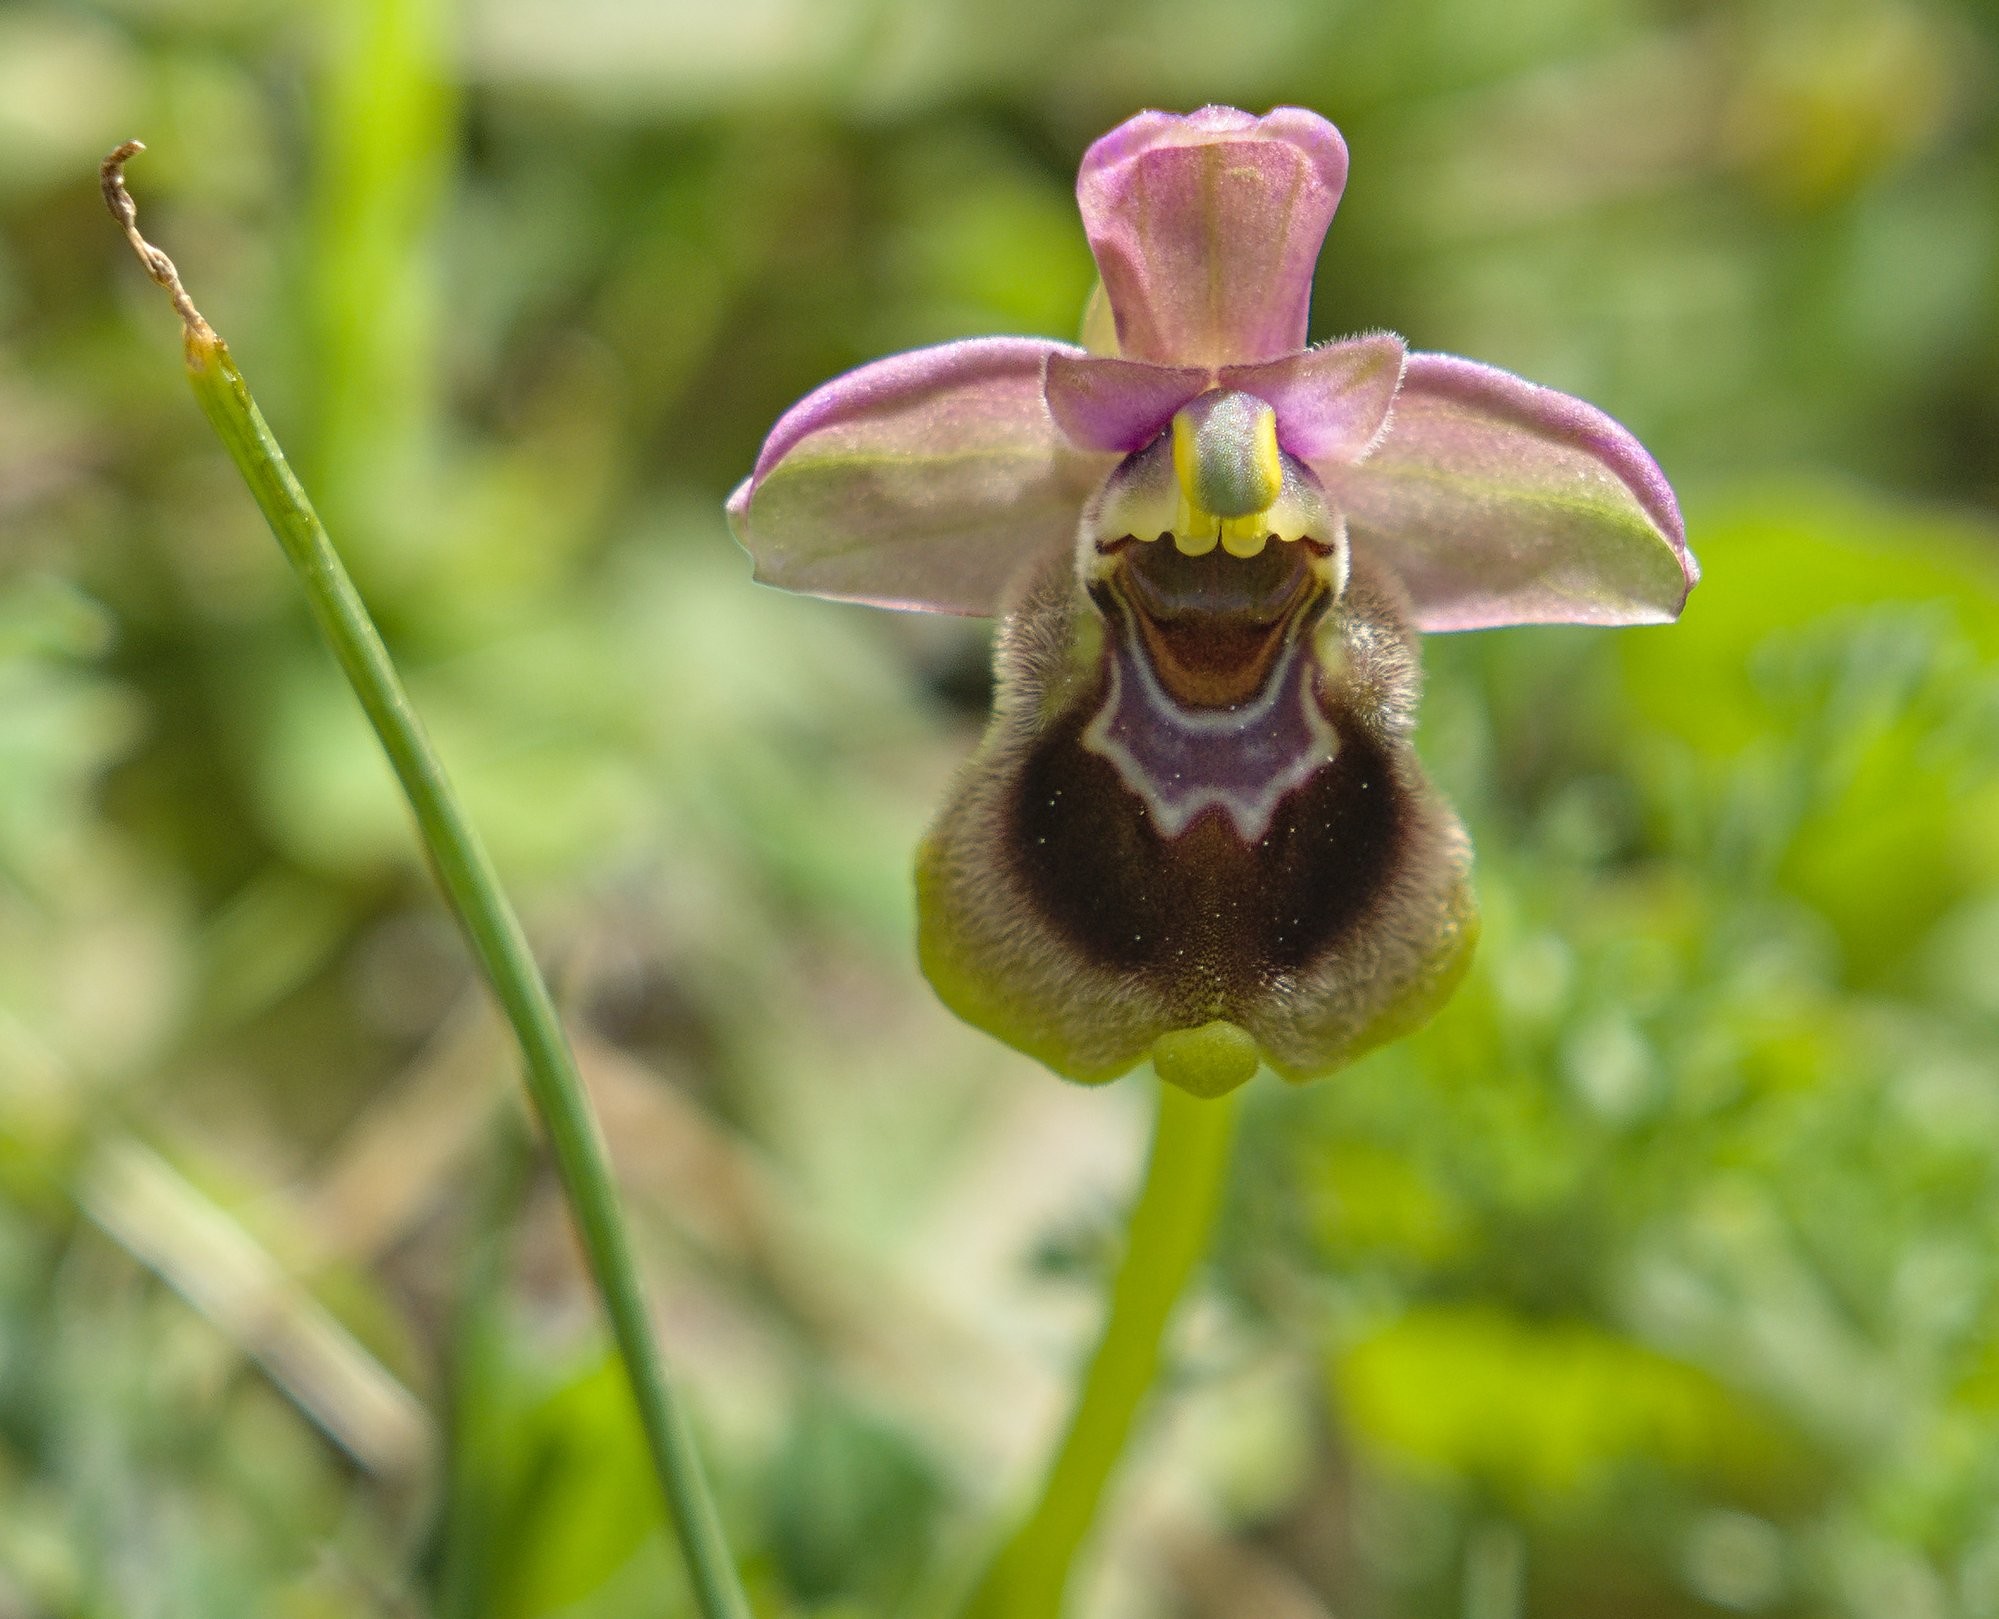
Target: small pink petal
{"x": 1206, "y": 230}
{"x": 1117, "y": 405}
{"x": 1332, "y": 403}
{"x": 1499, "y": 502}
{"x": 921, "y": 481}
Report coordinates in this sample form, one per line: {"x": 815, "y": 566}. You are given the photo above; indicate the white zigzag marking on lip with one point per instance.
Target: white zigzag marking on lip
{"x": 1175, "y": 804}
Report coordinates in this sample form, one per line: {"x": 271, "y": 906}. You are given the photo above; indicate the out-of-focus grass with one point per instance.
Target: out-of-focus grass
{"x": 1654, "y": 1279}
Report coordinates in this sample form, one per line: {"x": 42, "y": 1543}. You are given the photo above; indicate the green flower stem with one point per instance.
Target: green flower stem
{"x": 465, "y": 871}
{"x": 1168, "y": 1236}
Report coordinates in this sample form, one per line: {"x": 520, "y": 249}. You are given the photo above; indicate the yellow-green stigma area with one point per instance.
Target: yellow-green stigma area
{"x": 1216, "y": 477}
{"x": 1229, "y": 472}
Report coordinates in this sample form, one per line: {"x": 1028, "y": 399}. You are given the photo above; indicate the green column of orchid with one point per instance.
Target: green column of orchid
{"x": 471, "y": 885}
{"x": 1167, "y": 1237}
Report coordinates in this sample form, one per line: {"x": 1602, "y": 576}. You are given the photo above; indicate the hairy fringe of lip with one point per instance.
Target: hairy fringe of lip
{"x": 1196, "y": 802}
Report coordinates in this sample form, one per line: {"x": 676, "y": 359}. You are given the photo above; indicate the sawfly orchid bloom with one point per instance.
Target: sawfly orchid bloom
{"x": 1196, "y": 828}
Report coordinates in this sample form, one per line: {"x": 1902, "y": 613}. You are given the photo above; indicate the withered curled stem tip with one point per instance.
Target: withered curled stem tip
{"x": 111, "y": 174}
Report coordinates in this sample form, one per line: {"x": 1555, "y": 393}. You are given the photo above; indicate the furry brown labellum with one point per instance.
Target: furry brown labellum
{"x": 1196, "y": 827}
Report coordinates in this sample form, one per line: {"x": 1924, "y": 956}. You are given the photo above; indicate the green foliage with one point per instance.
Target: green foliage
{"x": 852, "y": 1507}
{"x": 564, "y": 1492}
{"x": 1685, "y": 1200}
{"x": 1540, "y": 1411}
{"x": 1655, "y": 1278}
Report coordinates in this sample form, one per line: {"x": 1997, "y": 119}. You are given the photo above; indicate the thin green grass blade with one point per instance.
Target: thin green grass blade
{"x": 472, "y": 886}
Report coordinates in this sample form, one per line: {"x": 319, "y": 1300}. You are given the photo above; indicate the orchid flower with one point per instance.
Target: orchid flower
{"x": 1196, "y": 828}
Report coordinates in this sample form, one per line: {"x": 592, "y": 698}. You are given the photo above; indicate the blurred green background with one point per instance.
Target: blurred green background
{"x": 1657, "y": 1278}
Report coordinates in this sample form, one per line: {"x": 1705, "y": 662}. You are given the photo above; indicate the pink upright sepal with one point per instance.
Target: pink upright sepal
{"x": 1206, "y": 230}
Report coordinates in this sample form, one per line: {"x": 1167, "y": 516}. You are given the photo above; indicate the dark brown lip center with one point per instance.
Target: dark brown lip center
{"x": 1213, "y": 625}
